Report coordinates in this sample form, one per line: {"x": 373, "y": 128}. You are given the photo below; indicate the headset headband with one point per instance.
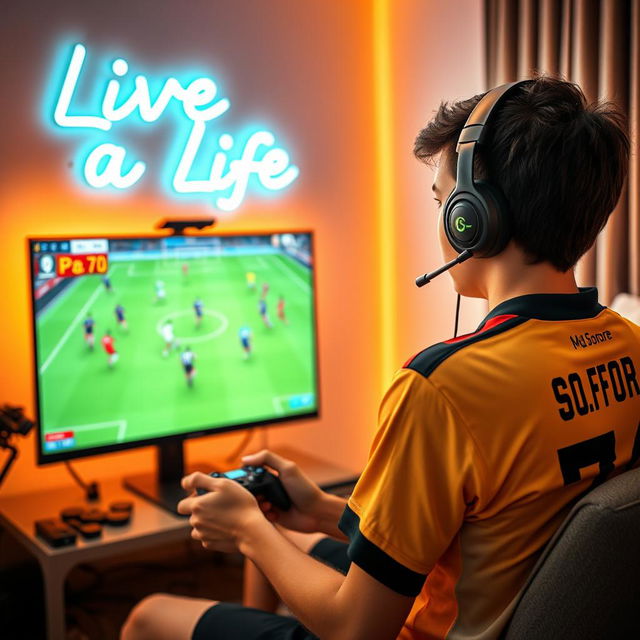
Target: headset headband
{"x": 475, "y": 129}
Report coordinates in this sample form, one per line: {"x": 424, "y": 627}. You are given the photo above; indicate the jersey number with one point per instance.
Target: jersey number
{"x": 600, "y": 450}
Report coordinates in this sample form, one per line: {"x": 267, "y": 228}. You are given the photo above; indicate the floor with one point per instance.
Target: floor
{"x": 100, "y": 595}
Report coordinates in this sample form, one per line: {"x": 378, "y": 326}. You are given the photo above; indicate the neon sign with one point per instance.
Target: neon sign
{"x": 222, "y": 171}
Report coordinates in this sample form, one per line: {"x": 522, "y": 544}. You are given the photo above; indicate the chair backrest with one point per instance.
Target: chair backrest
{"x": 586, "y": 584}
{"x": 628, "y": 306}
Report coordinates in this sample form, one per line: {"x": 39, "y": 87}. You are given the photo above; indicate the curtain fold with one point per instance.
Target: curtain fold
{"x": 596, "y": 44}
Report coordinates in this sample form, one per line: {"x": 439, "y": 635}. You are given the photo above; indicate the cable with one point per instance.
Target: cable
{"x": 455, "y": 328}
{"x": 91, "y": 490}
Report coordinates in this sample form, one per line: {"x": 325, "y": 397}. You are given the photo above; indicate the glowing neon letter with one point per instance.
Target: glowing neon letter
{"x": 275, "y": 171}
{"x": 180, "y": 180}
{"x": 267, "y": 169}
{"x": 199, "y": 93}
{"x": 66, "y": 93}
{"x": 112, "y": 173}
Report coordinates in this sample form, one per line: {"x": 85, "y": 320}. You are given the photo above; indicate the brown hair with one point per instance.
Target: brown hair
{"x": 559, "y": 161}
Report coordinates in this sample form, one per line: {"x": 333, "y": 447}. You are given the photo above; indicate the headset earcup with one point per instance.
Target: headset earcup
{"x": 495, "y": 211}
{"x": 464, "y": 208}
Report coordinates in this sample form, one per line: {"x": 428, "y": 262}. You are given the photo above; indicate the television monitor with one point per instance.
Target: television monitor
{"x": 118, "y": 320}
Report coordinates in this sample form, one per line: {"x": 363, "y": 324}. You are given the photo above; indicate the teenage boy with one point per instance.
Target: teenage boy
{"x": 482, "y": 439}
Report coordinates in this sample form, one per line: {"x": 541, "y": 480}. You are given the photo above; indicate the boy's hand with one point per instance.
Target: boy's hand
{"x": 221, "y": 517}
{"x": 306, "y": 496}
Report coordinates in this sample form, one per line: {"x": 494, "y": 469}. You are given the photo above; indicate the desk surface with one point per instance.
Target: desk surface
{"x": 148, "y": 521}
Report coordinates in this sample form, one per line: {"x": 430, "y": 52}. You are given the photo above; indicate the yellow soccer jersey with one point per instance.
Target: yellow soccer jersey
{"x": 484, "y": 443}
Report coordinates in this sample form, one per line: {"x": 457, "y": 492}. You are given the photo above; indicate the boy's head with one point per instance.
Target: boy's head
{"x": 560, "y": 163}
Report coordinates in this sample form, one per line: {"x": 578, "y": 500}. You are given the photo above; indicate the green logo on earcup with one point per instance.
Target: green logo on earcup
{"x": 461, "y": 224}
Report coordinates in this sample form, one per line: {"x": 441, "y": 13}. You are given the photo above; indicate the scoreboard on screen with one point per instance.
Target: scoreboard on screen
{"x": 68, "y": 265}
{"x": 71, "y": 259}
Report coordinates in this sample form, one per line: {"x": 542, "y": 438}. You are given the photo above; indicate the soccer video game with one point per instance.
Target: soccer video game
{"x": 140, "y": 338}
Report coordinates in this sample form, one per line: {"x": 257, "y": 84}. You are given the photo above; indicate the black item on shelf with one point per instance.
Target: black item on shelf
{"x": 12, "y": 421}
{"x": 56, "y": 532}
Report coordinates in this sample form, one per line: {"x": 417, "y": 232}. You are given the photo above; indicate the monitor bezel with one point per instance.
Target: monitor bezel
{"x": 43, "y": 459}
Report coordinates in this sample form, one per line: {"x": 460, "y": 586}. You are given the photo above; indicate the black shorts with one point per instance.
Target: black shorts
{"x": 226, "y": 621}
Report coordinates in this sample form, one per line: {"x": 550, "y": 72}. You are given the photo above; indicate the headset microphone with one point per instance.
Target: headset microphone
{"x": 428, "y": 277}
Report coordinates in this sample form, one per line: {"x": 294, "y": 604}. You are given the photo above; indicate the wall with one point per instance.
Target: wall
{"x": 437, "y": 55}
{"x": 311, "y": 70}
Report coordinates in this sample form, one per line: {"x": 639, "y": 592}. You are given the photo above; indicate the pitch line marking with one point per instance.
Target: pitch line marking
{"x": 305, "y": 285}
{"x": 224, "y": 324}
{"x": 70, "y": 329}
{"x": 92, "y": 426}
{"x": 277, "y": 405}
{"x": 72, "y": 326}
{"x": 166, "y": 272}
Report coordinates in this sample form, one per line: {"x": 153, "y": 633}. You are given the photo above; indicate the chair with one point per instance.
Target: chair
{"x": 628, "y": 306}
{"x": 586, "y": 584}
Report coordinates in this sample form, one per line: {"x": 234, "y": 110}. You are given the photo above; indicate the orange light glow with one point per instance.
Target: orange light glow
{"x": 385, "y": 187}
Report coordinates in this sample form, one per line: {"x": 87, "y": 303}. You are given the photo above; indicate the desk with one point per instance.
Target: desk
{"x": 149, "y": 526}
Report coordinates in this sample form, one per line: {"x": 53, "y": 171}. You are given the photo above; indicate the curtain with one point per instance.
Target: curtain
{"x": 595, "y": 44}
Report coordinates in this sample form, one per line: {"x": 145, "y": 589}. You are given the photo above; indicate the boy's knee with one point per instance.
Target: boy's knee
{"x": 142, "y": 621}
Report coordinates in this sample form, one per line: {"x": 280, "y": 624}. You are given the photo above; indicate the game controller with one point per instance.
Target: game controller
{"x": 260, "y": 482}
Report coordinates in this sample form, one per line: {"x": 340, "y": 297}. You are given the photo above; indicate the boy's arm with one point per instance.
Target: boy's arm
{"x": 331, "y": 605}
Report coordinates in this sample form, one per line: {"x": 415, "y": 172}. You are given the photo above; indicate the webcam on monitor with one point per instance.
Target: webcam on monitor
{"x": 179, "y": 226}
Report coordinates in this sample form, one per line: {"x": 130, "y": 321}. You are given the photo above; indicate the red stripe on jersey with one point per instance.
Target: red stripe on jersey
{"x": 489, "y": 324}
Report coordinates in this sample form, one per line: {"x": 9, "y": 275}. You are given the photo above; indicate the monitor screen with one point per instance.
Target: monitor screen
{"x": 145, "y": 338}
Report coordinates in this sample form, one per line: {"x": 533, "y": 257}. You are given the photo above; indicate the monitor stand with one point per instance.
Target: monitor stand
{"x": 162, "y": 487}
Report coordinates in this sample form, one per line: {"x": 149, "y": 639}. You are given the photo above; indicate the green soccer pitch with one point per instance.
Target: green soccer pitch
{"x": 145, "y": 394}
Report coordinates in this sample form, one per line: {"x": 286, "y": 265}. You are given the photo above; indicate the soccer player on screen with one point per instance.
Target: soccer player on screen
{"x": 168, "y": 337}
{"x": 245, "y": 340}
{"x": 281, "y": 313}
{"x": 185, "y": 270}
{"x": 251, "y": 280}
{"x": 119, "y": 311}
{"x": 160, "y": 291}
{"x": 262, "y": 309}
{"x": 109, "y": 348}
{"x": 89, "y": 336}
{"x": 265, "y": 289}
{"x": 106, "y": 281}
{"x": 187, "y": 357}
{"x": 198, "y": 309}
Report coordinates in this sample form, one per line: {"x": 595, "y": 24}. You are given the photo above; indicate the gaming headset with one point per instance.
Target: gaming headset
{"x": 476, "y": 214}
